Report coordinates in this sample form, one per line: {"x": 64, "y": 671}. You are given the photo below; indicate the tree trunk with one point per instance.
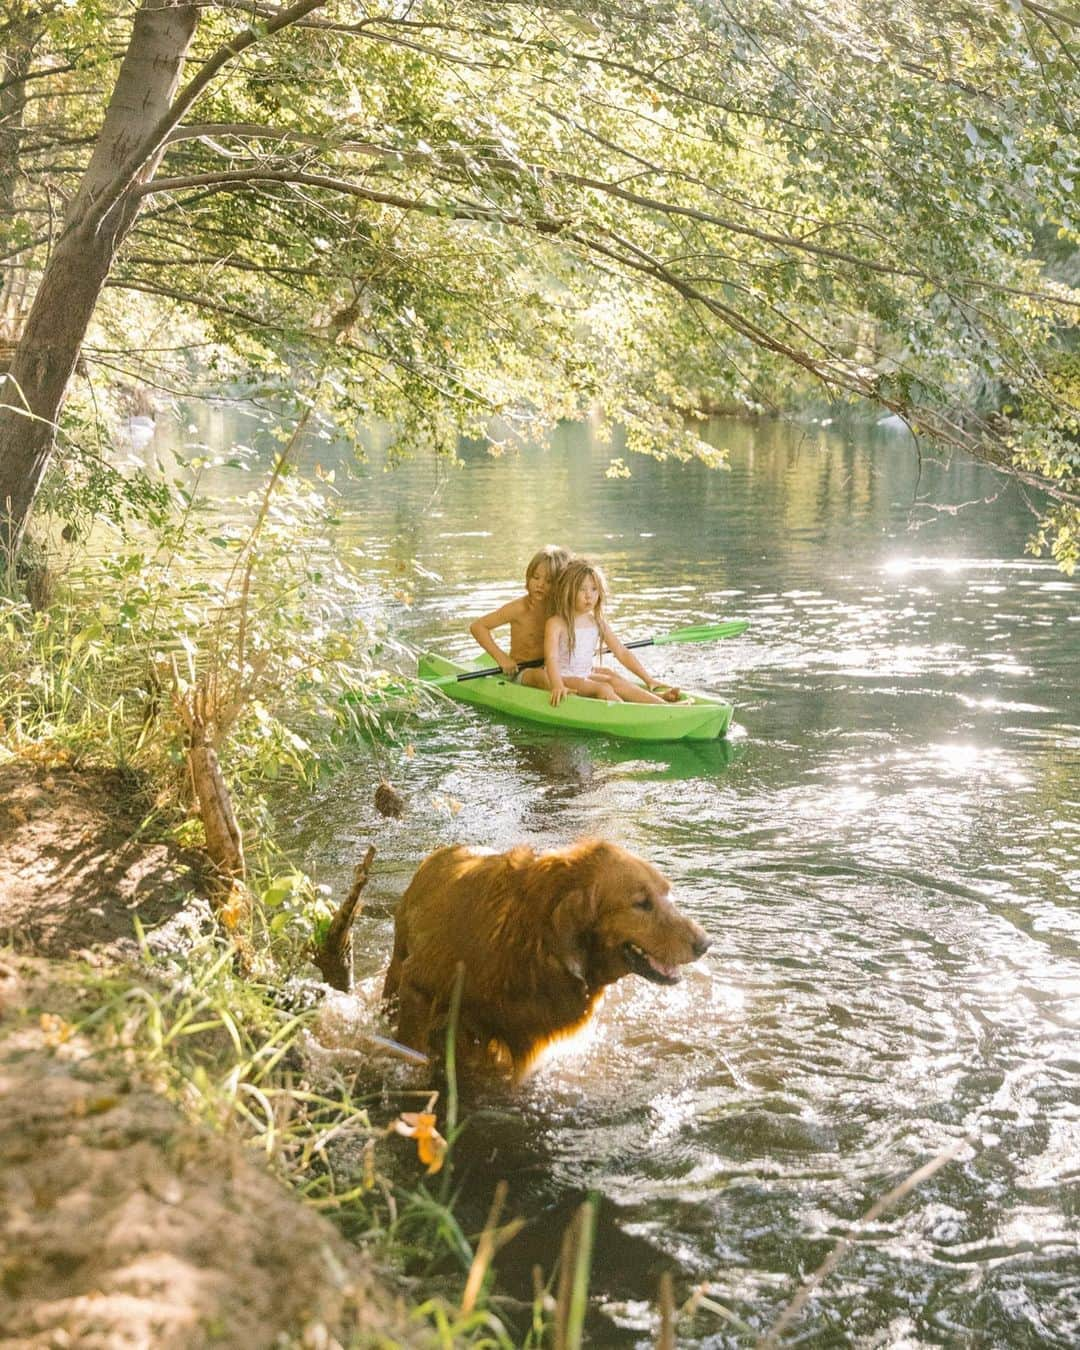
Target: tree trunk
{"x": 81, "y": 259}
{"x": 20, "y": 34}
{"x": 224, "y": 842}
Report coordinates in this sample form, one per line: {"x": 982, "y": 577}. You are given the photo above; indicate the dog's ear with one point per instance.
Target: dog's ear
{"x": 571, "y": 923}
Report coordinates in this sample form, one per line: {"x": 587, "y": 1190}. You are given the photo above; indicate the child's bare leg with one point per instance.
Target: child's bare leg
{"x": 591, "y": 688}
{"x": 536, "y": 678}
{"x": 667, "y": 693}
{"x": 631, "y": 692}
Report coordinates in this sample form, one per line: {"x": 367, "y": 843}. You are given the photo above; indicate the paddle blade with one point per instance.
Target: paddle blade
{"x": 703, "y": 632}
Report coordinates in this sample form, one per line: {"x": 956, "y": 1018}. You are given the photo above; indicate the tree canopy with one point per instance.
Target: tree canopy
{"x": 535, "y": 209}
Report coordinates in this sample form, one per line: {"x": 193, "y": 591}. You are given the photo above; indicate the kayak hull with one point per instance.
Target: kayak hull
{"x": 696, "y": 717}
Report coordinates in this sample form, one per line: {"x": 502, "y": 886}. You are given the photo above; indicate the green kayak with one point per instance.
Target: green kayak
{"x": 695, "y": 717}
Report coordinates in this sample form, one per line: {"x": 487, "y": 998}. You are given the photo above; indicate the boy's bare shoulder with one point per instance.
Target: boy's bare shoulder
{"x": 508, "y": 613}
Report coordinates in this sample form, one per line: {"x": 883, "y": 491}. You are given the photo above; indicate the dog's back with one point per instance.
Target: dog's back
{"x": 460, "y": 906}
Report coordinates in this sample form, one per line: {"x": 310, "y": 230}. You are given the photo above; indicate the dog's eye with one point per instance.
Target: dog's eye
{"x": 644, "y": 903}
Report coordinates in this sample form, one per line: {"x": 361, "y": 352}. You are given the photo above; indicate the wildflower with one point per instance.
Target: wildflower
{"x": 430, "y": 1145}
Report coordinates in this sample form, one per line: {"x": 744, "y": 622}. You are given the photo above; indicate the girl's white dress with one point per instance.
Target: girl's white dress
{"x": 586, "y": 644}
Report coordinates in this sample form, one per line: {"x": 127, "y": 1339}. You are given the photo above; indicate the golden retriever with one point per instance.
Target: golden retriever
{"x": 539, "y": 936}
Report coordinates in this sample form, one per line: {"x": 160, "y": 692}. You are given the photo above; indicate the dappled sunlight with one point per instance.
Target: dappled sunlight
{"x": 998, "y": 705}
{"x": 956, "y": 757}
{"x": 843, "y": 802}
{"x": 949, "y": 566}
{"x": 896, "y": 662}
{"x": 960, "y": 759}
{"x": 317, "y": 320}
{"x": 1055, "y": 1165}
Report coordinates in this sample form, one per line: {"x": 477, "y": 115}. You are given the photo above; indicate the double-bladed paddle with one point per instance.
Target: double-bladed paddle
{"x": 700, "y": 632}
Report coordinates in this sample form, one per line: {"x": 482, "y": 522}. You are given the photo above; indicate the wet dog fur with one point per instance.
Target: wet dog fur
{"x": 539, "y": 937}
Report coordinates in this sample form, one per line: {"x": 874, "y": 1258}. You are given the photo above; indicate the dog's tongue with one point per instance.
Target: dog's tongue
{"x": 668, "y": 972}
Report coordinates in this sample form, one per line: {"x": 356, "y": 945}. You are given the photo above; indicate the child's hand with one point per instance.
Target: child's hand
{"x": 509, "y": 668}
{"x": 558, "y": 693}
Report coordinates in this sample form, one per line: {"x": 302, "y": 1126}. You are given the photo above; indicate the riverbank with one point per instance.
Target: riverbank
{"x": 123, "y": 1221}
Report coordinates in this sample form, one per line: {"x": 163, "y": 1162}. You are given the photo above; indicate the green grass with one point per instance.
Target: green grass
{"x": 192, "y": 1026}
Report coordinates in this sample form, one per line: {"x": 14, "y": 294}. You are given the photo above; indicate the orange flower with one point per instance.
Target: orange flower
{"x": 235, "y": 908}
{"x": 430, "y": 1145}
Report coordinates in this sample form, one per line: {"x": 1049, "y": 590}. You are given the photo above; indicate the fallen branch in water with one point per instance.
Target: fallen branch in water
{"x": 333, "y": 955}
{"x": 771, "y": 1339}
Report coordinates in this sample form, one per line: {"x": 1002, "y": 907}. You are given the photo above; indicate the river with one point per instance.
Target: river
{"x": 886, "y": 855}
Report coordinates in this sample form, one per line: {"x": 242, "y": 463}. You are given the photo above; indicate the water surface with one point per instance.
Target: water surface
{"x": 887, "y": 855}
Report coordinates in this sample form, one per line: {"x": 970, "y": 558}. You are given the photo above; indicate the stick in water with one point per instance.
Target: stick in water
{"x": 771, "y": 1339}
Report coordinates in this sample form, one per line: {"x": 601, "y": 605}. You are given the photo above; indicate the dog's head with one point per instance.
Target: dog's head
{"x": 615, "y": 919}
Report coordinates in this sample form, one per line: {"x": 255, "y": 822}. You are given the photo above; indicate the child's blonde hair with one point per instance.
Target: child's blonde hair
{"x": 564, "y": 594}
{"x": 556, "y": 558}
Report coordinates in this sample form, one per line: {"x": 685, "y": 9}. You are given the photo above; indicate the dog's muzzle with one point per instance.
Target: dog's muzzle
{"x": 641, "y": 963}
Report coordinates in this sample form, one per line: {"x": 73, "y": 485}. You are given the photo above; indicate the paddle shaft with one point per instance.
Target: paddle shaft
{"x": 701, "y": 632}
{"x": 535, "y": 665}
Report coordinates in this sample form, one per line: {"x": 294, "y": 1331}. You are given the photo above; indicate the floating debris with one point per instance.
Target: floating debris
{"x": 388, "y": 801}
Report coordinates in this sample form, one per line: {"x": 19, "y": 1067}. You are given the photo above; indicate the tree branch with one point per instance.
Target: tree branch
{"x": 37, "y": 75}
{"x": 1046, "y": 12}
{"x": 445, "y": 210}
{"x": 154, "y": 140}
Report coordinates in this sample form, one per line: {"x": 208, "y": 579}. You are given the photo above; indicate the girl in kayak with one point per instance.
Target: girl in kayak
{"x": 572, "y": 639}
{"x": 526, "y": 616}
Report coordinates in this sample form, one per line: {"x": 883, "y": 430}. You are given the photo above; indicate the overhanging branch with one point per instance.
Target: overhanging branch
{"x": 237, "y": 178}
{"x": 152, "y": 143}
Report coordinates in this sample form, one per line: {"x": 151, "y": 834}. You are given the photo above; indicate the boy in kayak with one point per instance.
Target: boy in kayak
{"x": 574, "y": 635}
{"x": 526, "y": 616}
